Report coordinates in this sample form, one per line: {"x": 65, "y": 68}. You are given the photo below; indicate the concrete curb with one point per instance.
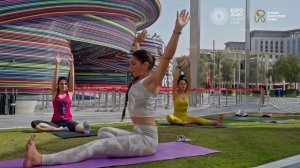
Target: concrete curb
{"x": 283, "y": 163}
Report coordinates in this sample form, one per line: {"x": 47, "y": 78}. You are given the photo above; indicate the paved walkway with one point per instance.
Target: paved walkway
{"x": 210, "y": 106}
{"x": 291, "y": 162}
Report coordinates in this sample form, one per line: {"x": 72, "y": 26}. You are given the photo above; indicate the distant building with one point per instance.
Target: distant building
{"x": 269, "y": 45}
{"x": 234, "y": 46}
{"x": 276, "y": 44}
{"x": 273, "y": 44}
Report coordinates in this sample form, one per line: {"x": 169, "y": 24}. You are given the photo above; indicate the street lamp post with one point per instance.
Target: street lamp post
{"x": 234, "y": 71}
{"x": 263, "y": 80}
{"x": 168, "y": 92}
{"x": 214, "y": 71}
{"x": 219, "y": 75}
{"x": 239, "y": 78}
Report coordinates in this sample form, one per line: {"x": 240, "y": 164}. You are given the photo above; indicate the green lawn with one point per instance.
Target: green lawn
{"x": 243, "y": 144}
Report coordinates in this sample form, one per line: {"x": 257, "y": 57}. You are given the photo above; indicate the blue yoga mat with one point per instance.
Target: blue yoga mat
{"x": 257, "y": 119}
{"x": 195, "y": 125}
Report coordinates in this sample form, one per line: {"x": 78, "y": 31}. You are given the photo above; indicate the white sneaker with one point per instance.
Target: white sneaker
{"x": 86, "y": 127}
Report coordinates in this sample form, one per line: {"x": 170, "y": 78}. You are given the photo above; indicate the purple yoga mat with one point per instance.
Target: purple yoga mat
{"x": 165, "y": 151}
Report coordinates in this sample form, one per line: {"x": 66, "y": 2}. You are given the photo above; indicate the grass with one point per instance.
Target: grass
{"x": 243, "y": 144}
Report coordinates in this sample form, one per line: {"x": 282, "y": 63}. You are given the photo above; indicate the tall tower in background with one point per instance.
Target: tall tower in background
{"x": 248, "y": 46}
{"x": 195, "y": 41}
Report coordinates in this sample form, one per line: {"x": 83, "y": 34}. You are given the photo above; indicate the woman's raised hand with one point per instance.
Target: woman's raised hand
{"x": 57, "y": 58}
{"x": 140, "y": 37}
{"x": 182, "y": 19}
{"x": 181, "y": 62}
{"x": 71, "y": 59}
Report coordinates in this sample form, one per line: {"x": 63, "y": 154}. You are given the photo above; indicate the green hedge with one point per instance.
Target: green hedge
{"x": 255, "y": 91}
{"x": 229, "y": 92}
{"x": 291, "y": 93}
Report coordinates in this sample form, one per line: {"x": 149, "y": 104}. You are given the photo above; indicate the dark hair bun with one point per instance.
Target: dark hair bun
{"x": 181, "y": 77}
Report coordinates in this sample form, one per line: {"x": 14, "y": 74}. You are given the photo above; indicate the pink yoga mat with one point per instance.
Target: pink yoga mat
{"x": 165, "y": 151}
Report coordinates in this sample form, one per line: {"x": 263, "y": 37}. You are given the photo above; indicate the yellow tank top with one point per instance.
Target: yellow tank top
{"x": 181, "y": 106}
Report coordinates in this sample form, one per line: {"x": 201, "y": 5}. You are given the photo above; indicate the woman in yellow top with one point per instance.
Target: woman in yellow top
{"x": 181, "y": 89}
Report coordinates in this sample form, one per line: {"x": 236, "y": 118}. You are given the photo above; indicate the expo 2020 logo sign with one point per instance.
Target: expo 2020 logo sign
{"x": 218, "y": 16}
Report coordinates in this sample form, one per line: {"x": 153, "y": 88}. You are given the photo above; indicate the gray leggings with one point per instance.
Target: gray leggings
{"x": 113, "y": 142}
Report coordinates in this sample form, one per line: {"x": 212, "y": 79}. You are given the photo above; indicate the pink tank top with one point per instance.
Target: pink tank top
{"x": 62, "y": 108}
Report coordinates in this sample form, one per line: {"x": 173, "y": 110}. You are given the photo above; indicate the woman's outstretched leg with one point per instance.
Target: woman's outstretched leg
{"x": 110, "y": 132}
{"x": 142, "y": 142}
{"x": 32, "y": 156}
{"x": 200, "y": 120}
{"x": 174, "y": 120}
{"x": 203, "y": 121}
{"x": 220, "y": 120}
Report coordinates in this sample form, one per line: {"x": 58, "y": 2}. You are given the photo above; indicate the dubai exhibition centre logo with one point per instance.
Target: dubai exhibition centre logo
{"x": 220, "y": 16}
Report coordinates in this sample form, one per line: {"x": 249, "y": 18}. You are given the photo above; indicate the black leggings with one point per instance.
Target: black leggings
{"x": 63, "y": 123}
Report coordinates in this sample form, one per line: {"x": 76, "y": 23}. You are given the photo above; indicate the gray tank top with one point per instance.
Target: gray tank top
{"x": 140, "y": 101}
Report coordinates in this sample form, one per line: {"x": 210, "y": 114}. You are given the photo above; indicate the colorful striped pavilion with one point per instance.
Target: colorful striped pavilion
{"x": 99, "y": 34}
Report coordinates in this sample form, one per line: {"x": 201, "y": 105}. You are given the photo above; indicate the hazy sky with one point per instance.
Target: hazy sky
{"x": 223, "y": 20}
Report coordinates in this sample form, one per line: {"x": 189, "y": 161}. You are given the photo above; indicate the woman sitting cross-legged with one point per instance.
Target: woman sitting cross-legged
{"x": 62, "y": 91}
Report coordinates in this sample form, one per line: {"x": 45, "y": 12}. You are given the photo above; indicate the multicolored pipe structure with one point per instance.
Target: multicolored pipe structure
{"x": 111, "y": 67}
{"x": 99, "y": 34}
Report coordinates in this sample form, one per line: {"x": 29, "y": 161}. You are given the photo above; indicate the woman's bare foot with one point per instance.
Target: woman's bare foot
{"x": 32, "y": 156}
{"x": 61, "y": 129}
{"x": 220, "y": 120}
